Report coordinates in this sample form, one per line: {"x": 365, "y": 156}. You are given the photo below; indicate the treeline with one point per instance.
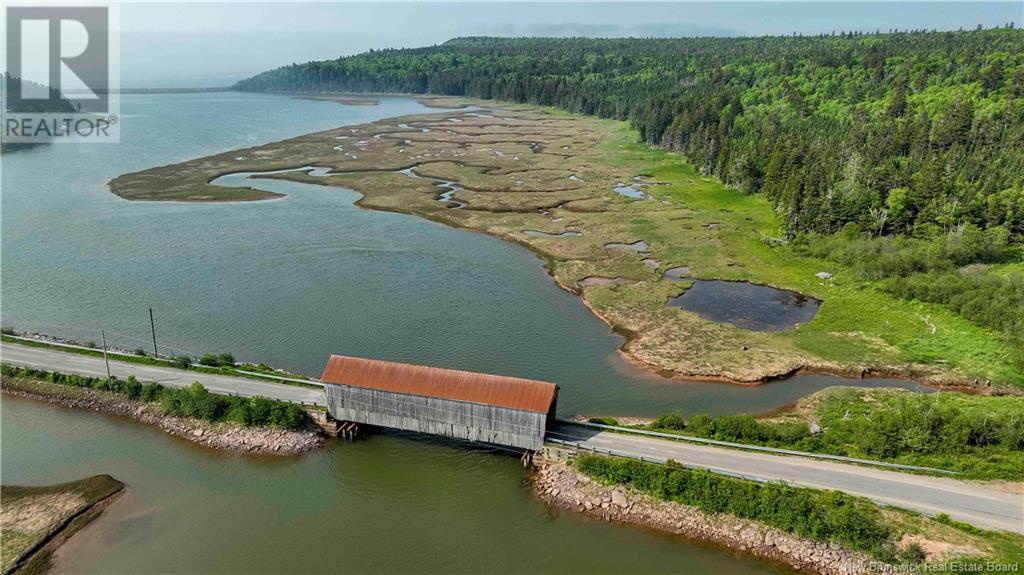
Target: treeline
{"x": 56, "y": 103}
{"x": 906, "y": 133}
{"x": 912, "y": 428}
{"x": 193, "y": 401}
{"x": 818, "y": 515}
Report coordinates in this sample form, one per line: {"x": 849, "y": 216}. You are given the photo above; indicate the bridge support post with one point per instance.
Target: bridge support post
{"x": 527, "y": 458}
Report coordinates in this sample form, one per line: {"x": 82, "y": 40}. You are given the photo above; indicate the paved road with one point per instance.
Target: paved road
{"x": 42, "y": 358}
{"x": 980, "y": 506}
{"x": 931, "y": 495}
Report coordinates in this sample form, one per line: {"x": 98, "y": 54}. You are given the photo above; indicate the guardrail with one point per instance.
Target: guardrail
{"x": 279, "y": 377}
{"x": 617, "y": 453}
{"x": 169, "y": 362}
{"x": 761, "y": 448}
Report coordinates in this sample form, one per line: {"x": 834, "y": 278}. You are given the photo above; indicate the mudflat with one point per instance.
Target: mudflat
{"x": 36, "y": 520}
{"x": 547, "y": 180}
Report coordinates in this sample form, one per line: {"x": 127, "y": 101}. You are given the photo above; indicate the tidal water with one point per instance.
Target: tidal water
{"x": 291, "y": 281}
{"x": 388, "y": 504}
{"x": 288, "y": 282}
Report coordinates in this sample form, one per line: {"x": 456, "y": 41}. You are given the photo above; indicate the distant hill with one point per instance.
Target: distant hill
{"x": 56, "y": 104}
{"x": 907, "y": 132}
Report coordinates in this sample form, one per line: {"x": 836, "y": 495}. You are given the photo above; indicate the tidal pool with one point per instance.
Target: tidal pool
{"x": 637, "y": 246}
{"x": 630, "y": 191}
{"x": 746, "y": 305}
{"x": 540, "y": 234}
{"x": 677, "y": 273}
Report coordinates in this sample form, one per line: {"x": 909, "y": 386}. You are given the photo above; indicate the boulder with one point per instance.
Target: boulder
{"x": 619, "y": 498}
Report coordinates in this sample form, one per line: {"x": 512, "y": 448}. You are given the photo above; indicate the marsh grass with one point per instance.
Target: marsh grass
{"x": 690, "y": 220}
{"x": 980, "y": 437}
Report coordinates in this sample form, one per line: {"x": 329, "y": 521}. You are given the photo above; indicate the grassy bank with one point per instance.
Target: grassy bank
{"x": 981, "y": 437}
{"x": 890, "y": 535}
{"x": 863, "y": 321}
{"x": 36, "y": 520}
{"x": 194, "y": 401}
{"x": 524, "y": 168}
{"x": 222, "y": 364}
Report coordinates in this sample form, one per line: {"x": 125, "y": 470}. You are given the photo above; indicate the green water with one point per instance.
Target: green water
{"x": 387, "y": 504}
{"x": 289, "y": 282}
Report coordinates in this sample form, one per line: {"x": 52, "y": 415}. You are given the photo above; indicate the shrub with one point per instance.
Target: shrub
{"x": 150, "y": 392}
{"x": 215, "y": 360}
{"x": 192, "y": 401}
{"x": 670, "y": 421}
{"x": 916, "y": 429}
{"x": 735, "y": 428}
{"x": 965, "y": 527}
{"x": 912, "y": 554}
{"x": 823, "y": 516}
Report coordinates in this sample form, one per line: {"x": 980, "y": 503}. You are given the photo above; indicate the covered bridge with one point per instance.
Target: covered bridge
{"x": 494, "y": 409}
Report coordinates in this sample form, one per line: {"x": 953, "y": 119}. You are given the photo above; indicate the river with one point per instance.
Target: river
{"x": 289, "y": 282}
{"x": 386, "y": 504}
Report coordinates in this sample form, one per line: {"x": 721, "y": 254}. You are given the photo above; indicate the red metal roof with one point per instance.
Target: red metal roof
{"x": 497, "y": 390}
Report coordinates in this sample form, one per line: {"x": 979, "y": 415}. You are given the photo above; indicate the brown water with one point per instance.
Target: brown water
{"x": 387, "y": 504}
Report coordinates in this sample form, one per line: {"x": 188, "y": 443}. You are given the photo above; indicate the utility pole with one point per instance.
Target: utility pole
{"x": 103, "y": 336}
{"x": 152, "y": 329}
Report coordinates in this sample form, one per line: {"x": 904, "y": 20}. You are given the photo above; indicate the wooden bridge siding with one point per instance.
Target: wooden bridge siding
{"x": 471, "y": 421}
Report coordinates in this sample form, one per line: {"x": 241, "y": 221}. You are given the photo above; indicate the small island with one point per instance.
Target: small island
{"x": 35, "y": 521}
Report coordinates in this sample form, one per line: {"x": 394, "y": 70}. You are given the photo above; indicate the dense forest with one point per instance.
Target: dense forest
{"x": 898, "y": 155}
{"x": 902, "y": 133}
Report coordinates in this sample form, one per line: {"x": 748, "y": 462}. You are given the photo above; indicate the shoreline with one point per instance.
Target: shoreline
{"x": 219, "y": 436}
{"x": 935, "y": 381}
{"x": 38, "y": 556}
{"x": 749, "y": 369}
{"x": 560, "y": 486}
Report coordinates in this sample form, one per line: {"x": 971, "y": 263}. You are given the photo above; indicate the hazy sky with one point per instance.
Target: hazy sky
{"x": 216, "y": 44}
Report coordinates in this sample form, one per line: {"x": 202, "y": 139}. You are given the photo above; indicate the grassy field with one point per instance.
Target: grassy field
{"x": 522, "y": 169}
{"x": 35, "y": 520}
